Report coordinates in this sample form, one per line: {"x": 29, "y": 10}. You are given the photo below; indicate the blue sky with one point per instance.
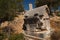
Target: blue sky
{"x": 26, "y": 4}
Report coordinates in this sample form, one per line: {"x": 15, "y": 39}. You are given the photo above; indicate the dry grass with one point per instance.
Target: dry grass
{"x": 55, "y": 23}
{"x": 16, "y": 24}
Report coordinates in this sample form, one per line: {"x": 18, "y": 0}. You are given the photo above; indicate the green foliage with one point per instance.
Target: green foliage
{"x": 17, "y": 37}
{"x": 8, "y": 9}
{"x": 10, "y": 36}
{"x": 2, "y": 35}
{"x": 51, "y": 3}
{"x": 58, "y": 14}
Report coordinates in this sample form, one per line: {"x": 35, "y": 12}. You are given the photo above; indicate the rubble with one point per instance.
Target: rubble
{"x": 37, "y": 24}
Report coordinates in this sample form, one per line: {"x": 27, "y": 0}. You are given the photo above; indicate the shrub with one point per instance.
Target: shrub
{"x": 17, "y": 37}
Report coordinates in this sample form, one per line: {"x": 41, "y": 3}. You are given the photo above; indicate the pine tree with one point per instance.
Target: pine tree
{"x": 8, "y": 9}
{"x": 51, "y": 3}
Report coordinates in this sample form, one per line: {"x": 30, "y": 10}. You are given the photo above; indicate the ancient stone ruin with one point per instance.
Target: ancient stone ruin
{"x": 37, "y": 24}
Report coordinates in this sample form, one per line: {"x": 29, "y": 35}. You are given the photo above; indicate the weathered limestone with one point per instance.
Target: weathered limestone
{"x": 39, "y": 17}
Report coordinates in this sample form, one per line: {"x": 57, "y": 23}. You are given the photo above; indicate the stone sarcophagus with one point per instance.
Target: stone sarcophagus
{"x": 37, "y": 23}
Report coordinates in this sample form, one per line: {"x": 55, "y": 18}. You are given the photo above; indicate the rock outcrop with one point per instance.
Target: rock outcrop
{"x": 16, "y": 24}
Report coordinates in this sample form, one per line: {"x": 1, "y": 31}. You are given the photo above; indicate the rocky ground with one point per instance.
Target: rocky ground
{"x": 16, "y": 24}
{"x": 55, "y": 23}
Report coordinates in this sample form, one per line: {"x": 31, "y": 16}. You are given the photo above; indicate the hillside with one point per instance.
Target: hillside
{"x": 16, "y": 25}
{"x": 55, "y": 23}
